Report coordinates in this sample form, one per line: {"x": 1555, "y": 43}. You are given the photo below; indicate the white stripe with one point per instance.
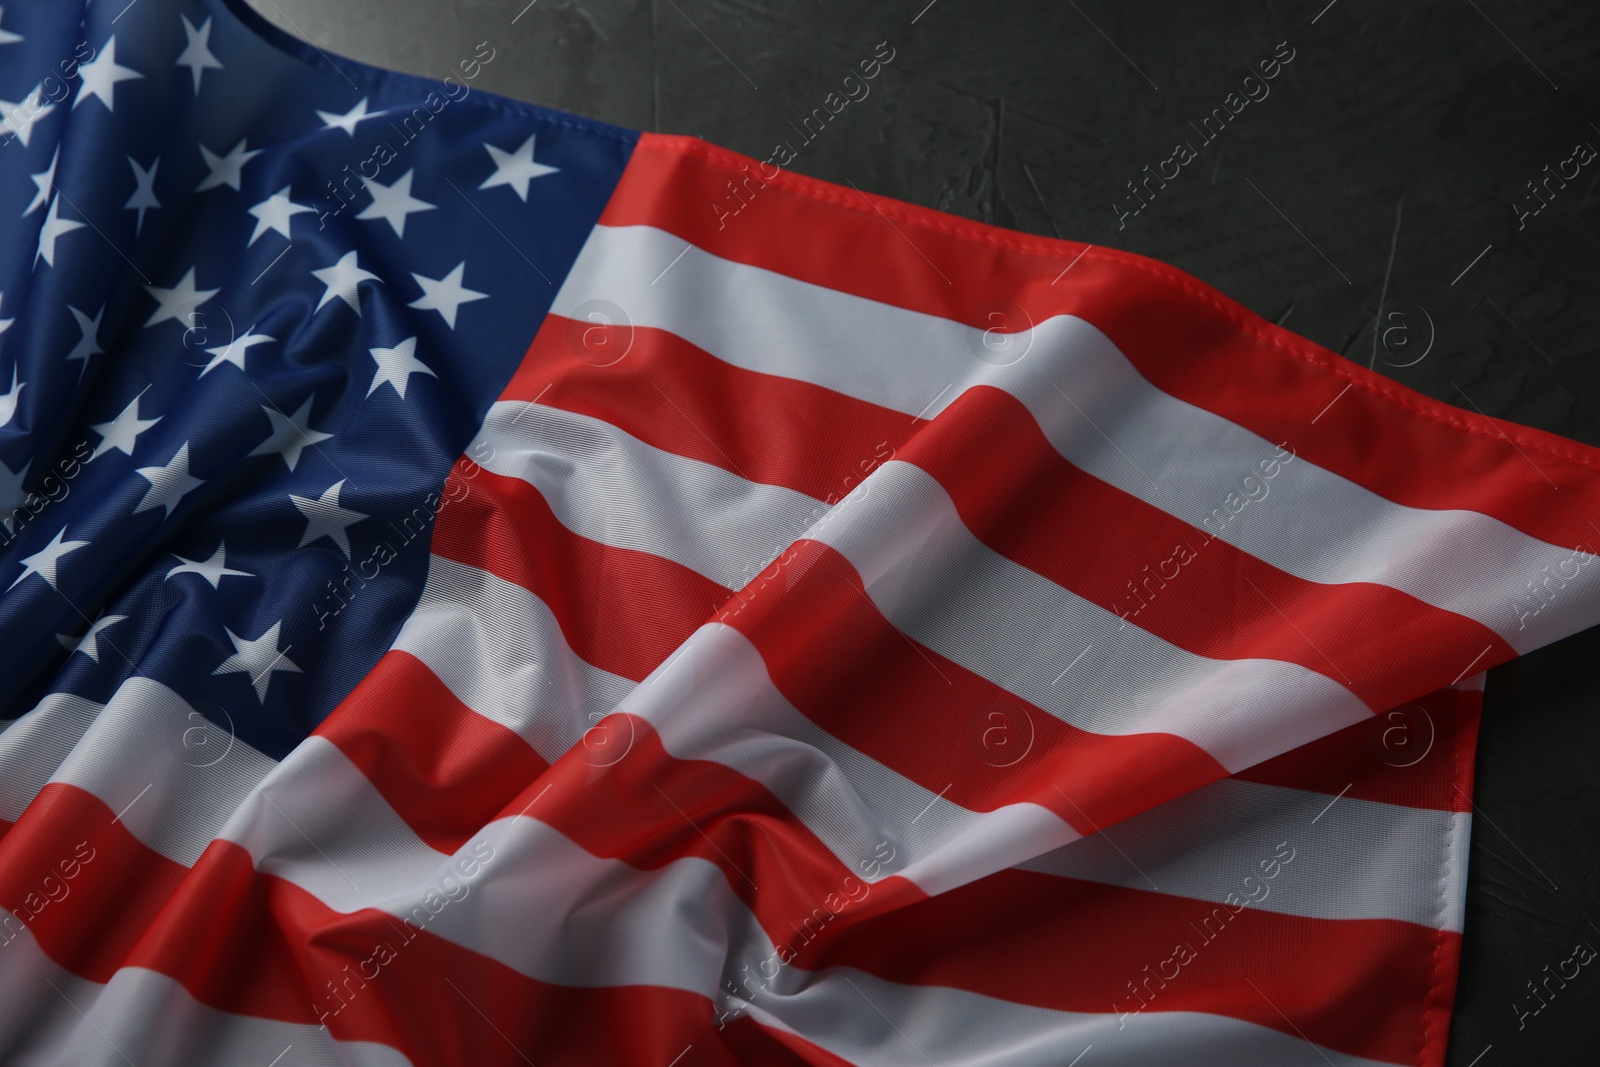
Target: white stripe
{"x": 679, "y": 927}
{"x": 715, "y": 702}
{"x": 497, "y": 647}
{"x": 313, "y": 819}
{"x": 36, "y": 1022}
{"x": 763, "y": 321}
{"x": 169, "y": 775}
{"x": 1359, "y": 860}
{"x": 937, "y": 582}
{"x": 35, "y": 745}
{"x": 318, "y": 822}
{"x": 1324, "y": 528}
{"x": 712, "y": 938}
{"x": 682, "y": 927}
{"x": 149, "y": 1019}
{"x": 867, "y": 1020}
{"x": 1453, "y": 881}
{"x": 606, "y": 485}
{"x": 355, "y": 853}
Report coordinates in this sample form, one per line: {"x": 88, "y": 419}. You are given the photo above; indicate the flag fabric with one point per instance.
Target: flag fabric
{"x": 485, "y": 587}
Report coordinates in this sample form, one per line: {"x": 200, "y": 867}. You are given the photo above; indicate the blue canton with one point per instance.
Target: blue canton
{"x": 254, "y": 303}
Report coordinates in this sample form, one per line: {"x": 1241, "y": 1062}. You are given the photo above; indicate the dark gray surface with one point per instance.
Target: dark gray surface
{"x": 1385, "y": 159}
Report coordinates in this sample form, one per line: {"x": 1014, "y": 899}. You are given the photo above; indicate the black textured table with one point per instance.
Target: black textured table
{"x": 1399, "y": 190}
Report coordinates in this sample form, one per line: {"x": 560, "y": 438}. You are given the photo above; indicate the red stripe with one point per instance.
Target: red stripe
{"x": 505, "y": 526}
{"x": 448, "y": 771}
{"x": 930, "y": 718}
{"x": 1115, "y": 550}
{"x": 1088, "y": 787}
{"x": 256, "y": 945}
{"x": 1358, "y": 986}
{"x": 649, "y": 809}
{"x": 620, "y": 610}
{"x": 1374, "y": 760}
{"x": 406, "y": 1003}
{"x": 1062, "y": 928}
{"x": 444, "y": 769}
{"x": 1050, "y": 541}
{"x": 677, "y": 398}
{"x": 83, "y": 885}
{"x": 1000, "y": 937}
{"x": 1278, "y": 382}
{"x": 994, "y": 489}
{"x": 198, "y": 926}
{"x": 932, "y": 722}
{"x": 235, "y": 937}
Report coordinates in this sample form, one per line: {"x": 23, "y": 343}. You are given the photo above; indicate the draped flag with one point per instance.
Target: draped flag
{"x": 479, "y": 586}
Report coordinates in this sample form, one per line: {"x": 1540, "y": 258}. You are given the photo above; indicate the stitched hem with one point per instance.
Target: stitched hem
{"x": 1243, "y": 319}
{"x": 1439, "y": 1000}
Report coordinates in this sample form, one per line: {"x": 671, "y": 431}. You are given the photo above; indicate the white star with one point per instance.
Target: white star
{"x": 100, "y": 76}
{"x": 9, "y": 401}
{"x": 179, "y": 301}
{"x": 11, "y": 494}
{"x": 21, "y": 115}
{"x": 226, "y": 169}
{"x": 258, "y": 658}
{"x": 446, "y": 294}
{"x": 396, "y": 366}
{"x": 274, "y": 213}
{"x": 144, "y": 193}
{"x": 6, "y": 36}
{"x": 196, "y": 55}
{"x": 55, "y": 227}
{"x": 325, "y": 518}
{"x": 393, "y": 202}
{"x": 342, "y": 280}
{"x": 350, "y": 119}
{"x": 43, "y": 562}
{"x": 212, "y": 570}
{"x": 291, "y": 434}
{"x": 515, "y": 169}
{"x": 88, "y": 340}
{"x": 46, "y": 181}
{"x": 234, "y": 351}
{"x": 168, "y": 484}
{"x": 89, "y": 643}
{"x": 122, "y": 433}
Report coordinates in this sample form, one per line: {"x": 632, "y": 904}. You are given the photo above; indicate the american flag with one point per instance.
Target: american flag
{"x": 485, "y": 587}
